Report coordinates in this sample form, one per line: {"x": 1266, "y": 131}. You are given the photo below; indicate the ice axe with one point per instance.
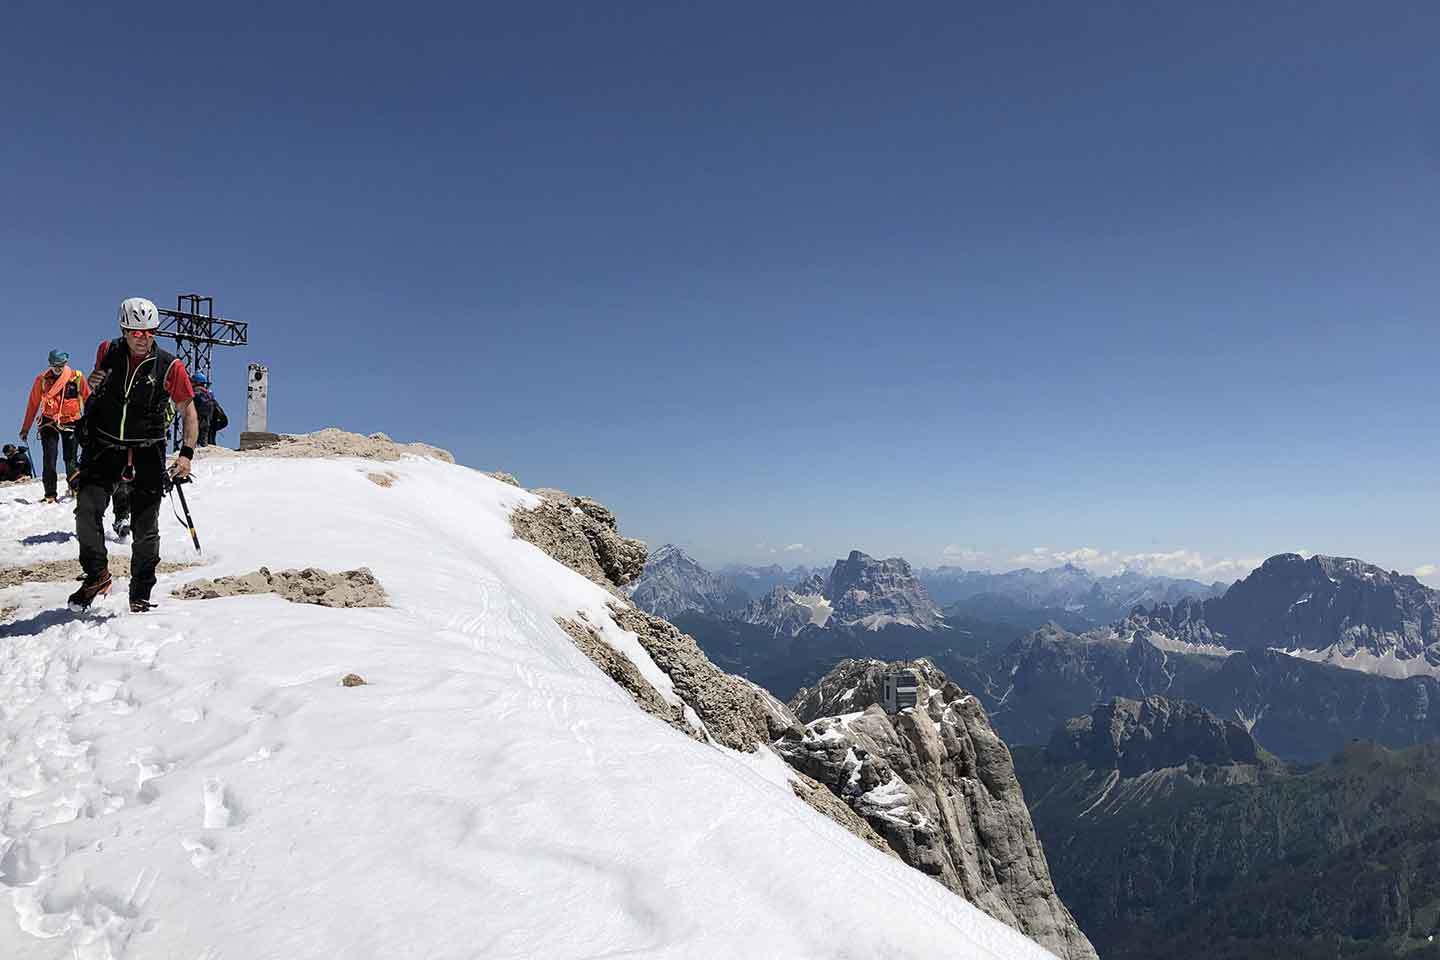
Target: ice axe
{"x": 174, "y": 484}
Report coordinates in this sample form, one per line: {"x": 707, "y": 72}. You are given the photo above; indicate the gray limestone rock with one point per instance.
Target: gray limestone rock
{"x": 874, "y": 593}
{"x": 581, "y": 533}
{"x": 1335, "y": 609}
{"x": 674, "y": 583}
{"x": 939, "y": 785}
{"x": 619, "y": 668}
{"x": 1137, "y": 736}
{"x": 737, "y": 713}
{"x": 860, "y": 592}
{"x": 349, "y": 588}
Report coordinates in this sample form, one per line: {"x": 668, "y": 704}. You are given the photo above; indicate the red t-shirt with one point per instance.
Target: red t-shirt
{"x": 177, "y": 378}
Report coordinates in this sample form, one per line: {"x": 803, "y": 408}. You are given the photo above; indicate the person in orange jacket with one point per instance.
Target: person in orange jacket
{"x": 58, "y": 396}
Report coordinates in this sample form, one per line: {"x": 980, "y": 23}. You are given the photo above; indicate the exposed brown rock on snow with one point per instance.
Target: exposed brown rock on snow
{"x": 386, "y": 479}
{"x": 349, "y": 588}
{"x": 352, "y": 680}
{"x": 819, "y": 798}
{"x": 334, "y": 442}
{"x": 581, "y": 533}
{"x": 737, "y": 713}
{"x": 58, "y": 571}
{"x": 623, "y": 671}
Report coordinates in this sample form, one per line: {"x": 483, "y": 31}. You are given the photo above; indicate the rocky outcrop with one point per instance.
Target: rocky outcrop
{"x": 939, "y": 785}
{"x": 330, "y": 442}
{"x": 582, "y": 534}
{"x": 349, "y": 588}
{"x": 1137, "y": 736}
{"x": 860, "y": 593}
{"x": 874, "y": 593}
{"x": 673, "y": 583}
{"x": 623, "y": 671}
{"x": 736, "y": 713}
{"x": 1343, "y": 608}
{"x": 819, "y": 798}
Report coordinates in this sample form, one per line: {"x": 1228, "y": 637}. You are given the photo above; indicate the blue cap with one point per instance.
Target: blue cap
{"x": 200, "y": 378}
{"x": 58, "y": 358}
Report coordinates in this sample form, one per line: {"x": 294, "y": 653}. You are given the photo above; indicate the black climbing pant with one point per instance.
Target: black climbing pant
{"x": 52, "y": 441}
{"x": 101, "y": 470}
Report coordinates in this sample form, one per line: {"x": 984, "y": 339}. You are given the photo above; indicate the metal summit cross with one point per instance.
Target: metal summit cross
{"x": 195, "y": 329}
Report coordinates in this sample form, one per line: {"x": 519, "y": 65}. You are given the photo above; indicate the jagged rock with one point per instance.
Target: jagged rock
{"x": 619, "y": 668}
{"x": 673, "y": 583}
{"x": 860, "y": 592}
{"x": 1336, "y": 608}
{"x": 737, "y": 713}
{"x": 352, "y": 680}
{"x": 939, "y": 785}
{"x": 819, "y": 798}
{"x": 788, "y": 609}
{"x": 349, "y": 588}
{"x": 581, "y": 533}
{"x": 873, "y": 593}
{"x": 1137, "y": 736}
{"x": 504, "y": 477}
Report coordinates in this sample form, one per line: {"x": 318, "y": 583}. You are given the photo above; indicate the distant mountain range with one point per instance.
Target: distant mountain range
{"x": 673, "y": 583}
{"x": 1068, "y": 594}
{"x": 1171, "y": 832}
{"x": 1305, "y": 652}
{"x": 875, "y": 593}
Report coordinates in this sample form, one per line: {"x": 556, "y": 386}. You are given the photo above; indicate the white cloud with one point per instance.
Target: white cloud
{"x": 794, "y": 547}
{"x": 1430, "y": 573}
{"x": 1174, "y": 563}
{"x": 955, "y": 555}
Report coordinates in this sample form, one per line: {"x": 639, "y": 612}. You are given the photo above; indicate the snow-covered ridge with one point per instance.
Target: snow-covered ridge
{"x": 1388, "y": 664}
{"x": 195, "y": 782}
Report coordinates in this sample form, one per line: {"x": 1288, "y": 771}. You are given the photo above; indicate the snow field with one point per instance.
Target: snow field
{"x": 195, "y": 782}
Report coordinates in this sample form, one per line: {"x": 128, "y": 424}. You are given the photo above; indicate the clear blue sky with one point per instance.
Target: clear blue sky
{"x": 1137, "y": 278}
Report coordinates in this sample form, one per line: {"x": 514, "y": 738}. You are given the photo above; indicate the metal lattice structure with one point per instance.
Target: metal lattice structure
{"x": 196, "y": 331}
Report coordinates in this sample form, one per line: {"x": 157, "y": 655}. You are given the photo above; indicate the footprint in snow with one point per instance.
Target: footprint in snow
{"x": 202, "y": 854}
{"x": 220, "y": 811}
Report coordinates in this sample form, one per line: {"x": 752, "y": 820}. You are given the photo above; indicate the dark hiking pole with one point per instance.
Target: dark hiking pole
{"x": 176, "y": 486}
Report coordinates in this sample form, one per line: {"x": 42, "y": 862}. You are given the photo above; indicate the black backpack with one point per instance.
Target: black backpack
{"x": 218, "y": 420}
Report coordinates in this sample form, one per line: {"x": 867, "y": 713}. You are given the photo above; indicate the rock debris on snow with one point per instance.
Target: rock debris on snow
{"x": 60, "y": 571}
{"x": 333, "y": 442}
{"x": 350, "y": 588}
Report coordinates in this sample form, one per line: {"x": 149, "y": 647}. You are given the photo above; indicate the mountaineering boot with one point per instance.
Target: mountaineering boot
{"x": 141, "y": 606}
{"x": 90, "y": 588}
{"x": 50, "y": 499}
{"x": 122, "y": 527}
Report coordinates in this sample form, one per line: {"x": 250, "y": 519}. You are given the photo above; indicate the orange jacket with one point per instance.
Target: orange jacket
{"x": 57, "y": 403}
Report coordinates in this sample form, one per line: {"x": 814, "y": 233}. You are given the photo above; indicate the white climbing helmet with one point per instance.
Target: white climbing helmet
{"x": 137, "y": 313}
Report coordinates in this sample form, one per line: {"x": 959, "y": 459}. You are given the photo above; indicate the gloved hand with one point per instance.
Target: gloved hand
{"x": 96, "y": 380}
{"x": 25, "y": 437}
